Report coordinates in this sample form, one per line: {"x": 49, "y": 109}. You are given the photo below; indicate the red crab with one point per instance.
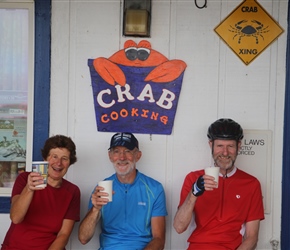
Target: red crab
{"x": 140, "y": 55}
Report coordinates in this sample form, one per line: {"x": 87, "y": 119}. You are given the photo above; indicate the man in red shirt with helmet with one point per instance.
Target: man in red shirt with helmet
{"x": 227, "y": 216}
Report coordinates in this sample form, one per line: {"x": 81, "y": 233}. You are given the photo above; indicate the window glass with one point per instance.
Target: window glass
{"x": 15, "y": 91}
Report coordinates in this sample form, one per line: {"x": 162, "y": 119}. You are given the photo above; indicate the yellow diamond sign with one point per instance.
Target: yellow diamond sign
{"x": 248, "y": 30}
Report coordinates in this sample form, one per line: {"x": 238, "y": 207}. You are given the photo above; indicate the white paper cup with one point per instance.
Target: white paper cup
{"x": 213, "y": 171}
{"x": 108, "y": 188}
{"x": 41, "y": 167}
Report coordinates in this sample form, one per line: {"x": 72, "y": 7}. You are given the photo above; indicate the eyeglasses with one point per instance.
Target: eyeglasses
{"x": 127, "y": 152}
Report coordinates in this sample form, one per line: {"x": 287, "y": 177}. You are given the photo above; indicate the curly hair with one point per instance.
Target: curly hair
{"x": 60, "y": 141}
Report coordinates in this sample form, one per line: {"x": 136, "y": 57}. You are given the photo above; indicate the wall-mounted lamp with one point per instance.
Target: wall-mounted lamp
{"x": 137, "y": 18}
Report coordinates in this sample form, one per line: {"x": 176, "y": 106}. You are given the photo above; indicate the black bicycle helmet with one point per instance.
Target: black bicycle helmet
{"x": 225, "y": 129}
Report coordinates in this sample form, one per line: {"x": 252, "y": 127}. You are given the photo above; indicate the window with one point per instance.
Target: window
{"x": 16, "y": 89}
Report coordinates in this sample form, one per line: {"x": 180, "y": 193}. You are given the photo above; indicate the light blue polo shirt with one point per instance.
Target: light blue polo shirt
{"x": 126, "y": 221}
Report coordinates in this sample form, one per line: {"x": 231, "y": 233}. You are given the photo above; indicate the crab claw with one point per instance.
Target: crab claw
{"x": 109, "y": 71}
{"x": 167, "y": 71}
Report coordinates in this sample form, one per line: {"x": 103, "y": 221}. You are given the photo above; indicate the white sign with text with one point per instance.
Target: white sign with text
{"x": 255, "y": 158}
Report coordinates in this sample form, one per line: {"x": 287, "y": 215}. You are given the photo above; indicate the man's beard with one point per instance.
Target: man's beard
{"x": 219, "y": 163}
{"x": 129, "y": 169}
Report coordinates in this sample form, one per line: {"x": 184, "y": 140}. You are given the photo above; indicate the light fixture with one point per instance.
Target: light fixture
{"x": 137, "y": 18}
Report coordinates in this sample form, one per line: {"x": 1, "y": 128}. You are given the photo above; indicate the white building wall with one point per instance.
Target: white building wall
{"x": 216, "y": 84}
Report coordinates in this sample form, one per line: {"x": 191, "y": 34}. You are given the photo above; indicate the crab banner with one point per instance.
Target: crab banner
{"x": 136, "y": 90}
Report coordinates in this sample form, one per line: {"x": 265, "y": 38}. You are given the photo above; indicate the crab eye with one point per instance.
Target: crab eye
{"x": 131, "y": 53}
{"x": 143, "y": 54}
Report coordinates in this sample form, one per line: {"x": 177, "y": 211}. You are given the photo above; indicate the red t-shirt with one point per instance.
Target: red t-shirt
{"x": 220, "y": 214}
{"x": 43, "y": 220}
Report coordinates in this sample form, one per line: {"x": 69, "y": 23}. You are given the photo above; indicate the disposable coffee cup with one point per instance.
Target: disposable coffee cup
{"x": 213, "y": 171}
{"x": 41, "y": 167}
{"x": 108, "y": 188}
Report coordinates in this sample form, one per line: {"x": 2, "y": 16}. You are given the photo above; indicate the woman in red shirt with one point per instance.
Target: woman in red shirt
{"x": 43, "y": 218}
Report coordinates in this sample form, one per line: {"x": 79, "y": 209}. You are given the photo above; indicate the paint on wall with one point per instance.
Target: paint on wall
{"x": 4, "y": 205}
{"x": 136, "y": 90}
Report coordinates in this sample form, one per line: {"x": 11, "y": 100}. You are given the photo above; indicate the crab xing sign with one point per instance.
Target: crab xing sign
{"x": 136, "y": 90}
{"x": 248, "y": 30}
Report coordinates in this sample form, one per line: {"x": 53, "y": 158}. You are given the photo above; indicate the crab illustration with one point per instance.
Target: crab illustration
{"x": 253, "y": 28}
{"x": 141, "y": 55}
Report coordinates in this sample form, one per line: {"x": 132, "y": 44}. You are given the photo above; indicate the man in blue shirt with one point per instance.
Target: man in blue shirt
{"x": 135, "y": 219}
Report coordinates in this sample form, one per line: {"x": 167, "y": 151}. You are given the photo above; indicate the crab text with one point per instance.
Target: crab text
{"x": 164, "y": 101}
{"x": 249, "y": 9}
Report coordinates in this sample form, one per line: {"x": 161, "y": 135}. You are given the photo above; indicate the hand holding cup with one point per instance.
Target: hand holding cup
{"x": 34, "y": 179}
{"x": 108, "y": 188}
{"x": 214, "y": 172}
{"x": 41, "y": 168}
